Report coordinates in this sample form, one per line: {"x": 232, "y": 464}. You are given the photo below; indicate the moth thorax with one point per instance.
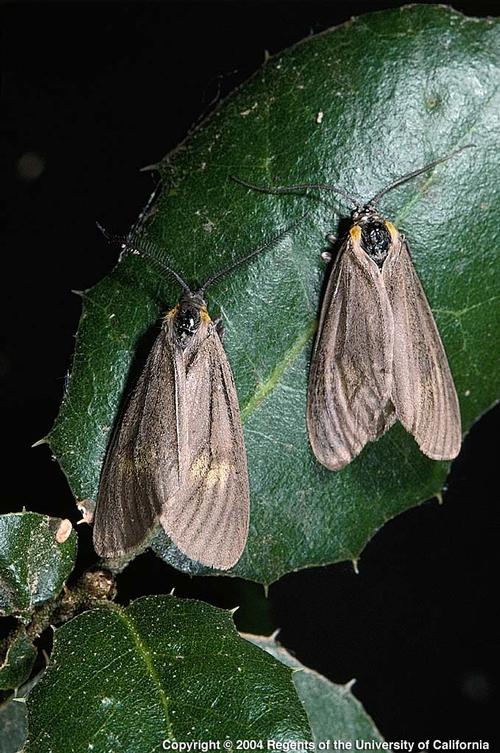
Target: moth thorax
{"x": 375, "y": 235}
{"x": 188, "y": 317}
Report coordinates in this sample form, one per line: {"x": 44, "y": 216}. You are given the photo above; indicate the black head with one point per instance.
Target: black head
{"x": 188, "y": 316}
{"x": 375, "y": 235}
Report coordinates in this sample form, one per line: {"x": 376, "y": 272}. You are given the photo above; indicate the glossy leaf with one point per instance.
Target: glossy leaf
{"x": 18, "y": 661}
{"x": 357, "y": 106}
{"x": 162, "y": 669}
{"x": 13, "y": 725}
{"x": 333, "y": 711}
{"x": 33, "y": 563}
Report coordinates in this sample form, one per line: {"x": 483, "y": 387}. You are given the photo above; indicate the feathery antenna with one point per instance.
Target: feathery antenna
{"x": 357, "y": 204}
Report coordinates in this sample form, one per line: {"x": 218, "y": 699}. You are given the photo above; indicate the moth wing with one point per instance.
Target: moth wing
{"x": 348, "y": 401}
{"x": 423, "y": 393}
{"x": 142, "y": 462}
{"x": 208, "y": 517}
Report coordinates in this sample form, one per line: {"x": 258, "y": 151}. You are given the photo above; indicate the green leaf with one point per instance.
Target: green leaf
{"x": 33, "y": 564}
{"x": 13, "y": 726}
{"x": 18, "y": 661}
{"x": 356, "y": 106}
{"x": 14, "y": 718}
{"x": 162, "y": 669}
{"x": 333, "y": 711}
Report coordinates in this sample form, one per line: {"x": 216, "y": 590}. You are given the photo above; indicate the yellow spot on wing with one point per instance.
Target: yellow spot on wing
{"x": 199, "y": 466}
{"x": 390, "y": 227}
{"x": 218, "y": 475}
{"x": 211, "y": 474}
{"x": 355, "y": 233}
{"x": 170, "y": 314}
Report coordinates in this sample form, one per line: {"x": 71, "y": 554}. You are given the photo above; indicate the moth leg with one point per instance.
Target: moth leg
{"x": 327, "y": 253}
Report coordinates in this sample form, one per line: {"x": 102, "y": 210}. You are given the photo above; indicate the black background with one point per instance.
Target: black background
{"x": 97, "y": 91}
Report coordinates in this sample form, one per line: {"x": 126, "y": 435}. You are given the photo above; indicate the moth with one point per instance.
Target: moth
{"x": 177, "y": 455}
{"x": 378, "y": 356}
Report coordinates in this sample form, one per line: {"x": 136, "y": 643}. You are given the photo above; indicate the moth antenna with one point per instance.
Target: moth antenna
{"x": 130, "y": 246}
{"x": 120, "y": 240}
{"x": 253, "y": 253}
{"x": 145, "y": 250}
{"x": 298, "y": 186}
{"x": 357, "y": 204}
{"x": 414, "y": 173}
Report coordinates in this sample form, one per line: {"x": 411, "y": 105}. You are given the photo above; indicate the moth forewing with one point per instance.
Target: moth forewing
{"x": 129, "y": 499}
{"x": 424, "y": 394}
{"x": 350, "y": 379}
{"x": 208, "y": 519}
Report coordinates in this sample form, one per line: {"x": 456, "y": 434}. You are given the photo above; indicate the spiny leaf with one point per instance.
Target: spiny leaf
{"x": 162, "y": 669}
{"x": 356, "y": 106}
{"x": 333, "y": 711}
{"x": 33, "y": 563}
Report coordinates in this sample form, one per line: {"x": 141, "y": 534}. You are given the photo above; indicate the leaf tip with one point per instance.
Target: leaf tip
{"x": 349, "y": 685}
{"x": 149, "y": 168}
{"x": 44, "y": 440}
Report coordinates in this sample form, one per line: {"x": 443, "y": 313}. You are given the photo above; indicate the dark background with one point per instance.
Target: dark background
{"x": 95, "y": 92}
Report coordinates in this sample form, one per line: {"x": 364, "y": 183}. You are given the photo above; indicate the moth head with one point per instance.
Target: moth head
{"x": 365, "y": 215}
{"x": 187, "y": 316}
{"x": 195, "y": 301}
